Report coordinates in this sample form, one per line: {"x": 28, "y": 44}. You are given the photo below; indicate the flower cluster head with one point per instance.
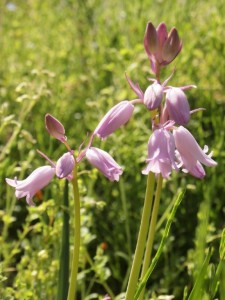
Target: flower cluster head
{"x": 64, "y": 166}
{"x": 170, "y": 147}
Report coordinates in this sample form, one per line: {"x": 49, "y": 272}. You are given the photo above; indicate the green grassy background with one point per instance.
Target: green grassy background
{"x": 68, "y": 58}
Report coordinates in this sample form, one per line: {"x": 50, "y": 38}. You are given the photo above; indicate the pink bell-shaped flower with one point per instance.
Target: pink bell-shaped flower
{"x": 190, "y": 153}
{"x": 55, "y": 128}
{"x": 65, "y": 165}
{"x": 161, "y": 153}
{"x": 177, "y": 106}
{"x": 104, "y": 163}
{"x": 117, "y": 116}
{"x": 36, "y": 181}
{"x": 153, "y": 96}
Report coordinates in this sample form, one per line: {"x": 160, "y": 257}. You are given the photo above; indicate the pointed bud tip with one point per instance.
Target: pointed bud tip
{"x": 55, "y": 128}
{"x": 172, "y": 46}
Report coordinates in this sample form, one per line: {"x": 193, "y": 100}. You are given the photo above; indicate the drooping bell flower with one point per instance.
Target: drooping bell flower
{"x": 65, "y": 165}
{"x": 190, "y": 153}
{"x": 161, "y": 47}
{"x": 55, "y": 128}
{"x": 177, "y": 106}
{"x": 104, "y": 163}
{"x": 153, "y": 96}
{"x": 161, "y": 153}
{"x": 117, "y": 116}
{"x": 36, "y": 181}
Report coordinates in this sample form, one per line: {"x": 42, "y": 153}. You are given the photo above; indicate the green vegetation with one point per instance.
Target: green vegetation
{"x": 68, "y": 58}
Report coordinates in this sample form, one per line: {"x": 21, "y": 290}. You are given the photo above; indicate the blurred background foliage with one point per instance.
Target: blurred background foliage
{"x": 68, "y": 58}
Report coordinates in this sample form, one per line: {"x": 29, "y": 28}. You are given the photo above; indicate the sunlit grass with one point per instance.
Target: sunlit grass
{"x": 68, "y": 58}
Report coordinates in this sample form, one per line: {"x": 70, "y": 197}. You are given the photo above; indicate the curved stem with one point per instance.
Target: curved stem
{"x": 152, "y": 229}
{"x": 139, "y": 251}
{"x": 76, "y": 243}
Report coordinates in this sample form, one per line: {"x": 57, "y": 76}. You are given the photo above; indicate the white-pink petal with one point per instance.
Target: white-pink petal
{"x": 104, "y": 163}
{"x": 37, "y": 180}
{"x": 117, "y": 116}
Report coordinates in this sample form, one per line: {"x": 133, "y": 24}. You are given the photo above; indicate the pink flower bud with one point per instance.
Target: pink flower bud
{"x": 171, "y": 47}
{"x": 104, "y": 163}
{"x": 55, "y": 128}
{"x": 190, "y": 154}
{"x": 153, "y": 96}
{"x": 150, "y": 39}
{"x": 117, "y": 116}
{"x": 162, "y": 36}
{"x": 36, "y": 181}
{"x": 161, "y": 153}
{"x": 177, "y": 106}
{"x": 161, "y": 47}
{"x": 65, "y": 165}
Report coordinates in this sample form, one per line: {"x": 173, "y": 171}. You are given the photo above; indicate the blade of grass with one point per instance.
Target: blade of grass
{"x": 221, "y": 265}
{"x": 197, "y": 290}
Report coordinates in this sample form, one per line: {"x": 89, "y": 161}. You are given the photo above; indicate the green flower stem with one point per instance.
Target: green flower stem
{"x": 76, "y": 244}
{"x": 151, "y": 233}
{"x": 161, "y": 246}
{"x": 141, "y": 242}
{"x": 126, "y": 215}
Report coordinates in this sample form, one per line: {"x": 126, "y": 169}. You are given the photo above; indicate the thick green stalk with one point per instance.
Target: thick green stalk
{"x": 160, "y": 248}
{"x": 141, "y": 242}
{"x": 76, "y": 244}
{"x": 152, "y": 229}
{"x": 63, "y": 279}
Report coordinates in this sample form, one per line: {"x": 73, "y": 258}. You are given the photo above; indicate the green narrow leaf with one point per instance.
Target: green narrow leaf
{"x": 197, "y": 290}
{"x": 63, "y": 280}
{"x": 161, "y": 246}
{"x": 222, "y": 245}
{"x": 221, "y": 265}
{"x": 185, "y": 294}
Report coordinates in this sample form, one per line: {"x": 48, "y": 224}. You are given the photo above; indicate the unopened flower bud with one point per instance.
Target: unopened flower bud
{"x": 161, "y": 47}
{"x": 150, "y": 39}
{"x": 55, "y": 128}
{"x": 171, "y": 47}
{"x": 65, "y": 165}
{"x": 153, "y": 96}
{"x": 177, "y": 106}
{"x": 117, "y": 116}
